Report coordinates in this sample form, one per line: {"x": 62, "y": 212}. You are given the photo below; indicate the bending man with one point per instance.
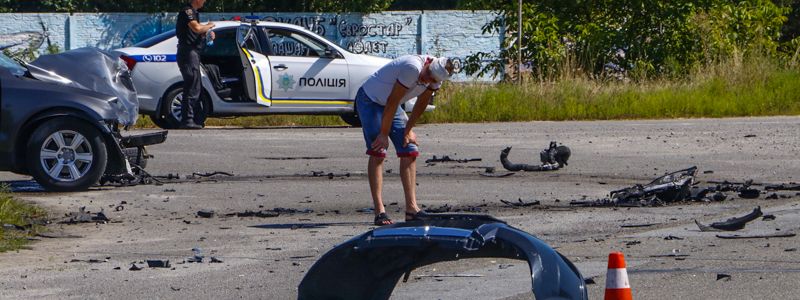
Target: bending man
{"x": 378, "y": 103}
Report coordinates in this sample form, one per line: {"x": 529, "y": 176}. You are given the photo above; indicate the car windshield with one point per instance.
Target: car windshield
{"x": 150, "y": 42}
{"x": 11, "y": 65}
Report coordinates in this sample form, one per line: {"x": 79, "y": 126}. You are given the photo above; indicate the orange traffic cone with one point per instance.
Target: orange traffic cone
{"x": 617, "y": 285}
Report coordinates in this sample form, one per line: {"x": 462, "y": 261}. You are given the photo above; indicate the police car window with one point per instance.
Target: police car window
{"x": 249, "y": 38}
{"x": 150, "y": 42}
{"x": 290, "y": 43}
{"x": 224, "y": 44}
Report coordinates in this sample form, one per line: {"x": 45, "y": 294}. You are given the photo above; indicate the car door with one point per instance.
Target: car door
{"x": 256, "y": 77}
{"x": 305, "y": 70}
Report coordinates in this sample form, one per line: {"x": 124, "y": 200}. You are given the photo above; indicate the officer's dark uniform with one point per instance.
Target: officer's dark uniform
{"x": 189, "y": 45}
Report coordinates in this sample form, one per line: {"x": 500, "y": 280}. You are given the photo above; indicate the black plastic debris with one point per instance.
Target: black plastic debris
{"x": 553, "y": 158}
{"x": 215, "y": 260}
{"x": 134, "y": 267}
{"x": 672, "y": 237}
{"x": 722, "y": 276}
{"x": 783, "y": 187}
{"x": 197, "y": 257}
{"x": 731, "y": 224}
{"x": 157, "y": 263}
{"x": 638, "y": 225}
{"x": 749, "y": 193}
{"x": 209, "y": 174}
{"x": 756, "y": 236}
{"x": 768, "y": 218}
{"x": 773, "y": 196}
{"x": 84, "y": 216}
{"x": 671, "y": 187}
{"x": 205, "y": 213}
{"x": 370, "y": 265}
{"x": 447, "y": 158}
{"x": 520, "y": 203}
{"x": 257, "y": 214}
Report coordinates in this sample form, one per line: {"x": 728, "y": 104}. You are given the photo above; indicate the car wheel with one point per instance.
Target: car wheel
{"x": 352, "y": 120}
{"x": 158, "y": 120}
{"x": 171, "y": 109}
{"x": 65, "y": 154}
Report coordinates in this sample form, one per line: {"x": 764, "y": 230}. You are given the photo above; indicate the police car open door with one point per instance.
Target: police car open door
{"x": 256, "y": 80}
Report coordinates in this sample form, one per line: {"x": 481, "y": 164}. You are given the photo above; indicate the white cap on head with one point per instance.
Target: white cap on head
{"x": 438, "y": 69}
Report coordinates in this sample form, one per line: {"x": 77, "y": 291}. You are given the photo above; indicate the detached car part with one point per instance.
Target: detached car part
{"x": 553, "y": 158}
{"x": 731, "y": 224}
{"x": 370, "y": 265}
{"x": 65, "y": 132}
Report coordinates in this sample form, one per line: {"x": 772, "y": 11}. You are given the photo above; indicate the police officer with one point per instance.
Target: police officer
{"x": 191, "y": 36}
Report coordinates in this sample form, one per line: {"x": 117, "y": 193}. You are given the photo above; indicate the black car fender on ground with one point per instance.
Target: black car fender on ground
{"x": 370, "y": 265}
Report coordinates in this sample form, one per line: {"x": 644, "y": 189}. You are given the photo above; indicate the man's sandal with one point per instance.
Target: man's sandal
{"x": 382, "y": 219}
{"x": 417, "y": 216}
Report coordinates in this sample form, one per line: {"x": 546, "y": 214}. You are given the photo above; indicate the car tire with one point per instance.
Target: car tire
{"x": 170, "y": 109}
{"x": 66, "y": 155}
{"x": 158, "y": 121}
{"x": 352, "y": 118}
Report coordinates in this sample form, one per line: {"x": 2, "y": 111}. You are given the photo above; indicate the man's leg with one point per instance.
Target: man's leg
{"x": 408, "y": 174}
{"x": 375, "y": 174}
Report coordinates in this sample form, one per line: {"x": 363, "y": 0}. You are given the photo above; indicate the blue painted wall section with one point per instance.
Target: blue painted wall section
{"x": 455, "y": 34}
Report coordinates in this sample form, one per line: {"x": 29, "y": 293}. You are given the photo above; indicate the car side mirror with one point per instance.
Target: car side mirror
{"x": 331, "y": 53}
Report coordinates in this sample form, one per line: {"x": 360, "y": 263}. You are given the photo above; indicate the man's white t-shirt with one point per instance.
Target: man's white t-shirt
{"x": 405, "y": 70}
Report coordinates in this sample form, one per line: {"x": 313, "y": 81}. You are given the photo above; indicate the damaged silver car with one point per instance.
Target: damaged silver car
{"x": 60, "y": 119}
{"x": 370, "y": 265}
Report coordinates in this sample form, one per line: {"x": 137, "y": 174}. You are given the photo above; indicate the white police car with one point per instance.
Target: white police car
{"x": 264, "y": 68}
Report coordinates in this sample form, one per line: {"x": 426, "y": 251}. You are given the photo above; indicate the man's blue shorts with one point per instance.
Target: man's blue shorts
{"x": 371, "y": 115}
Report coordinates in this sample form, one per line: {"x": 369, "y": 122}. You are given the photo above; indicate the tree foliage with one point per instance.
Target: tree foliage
{"x": 635, "y": 38}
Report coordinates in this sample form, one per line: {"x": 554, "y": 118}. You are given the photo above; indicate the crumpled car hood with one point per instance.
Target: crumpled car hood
{"x": 92, "y": 69}
{"x": 370, "y": 265}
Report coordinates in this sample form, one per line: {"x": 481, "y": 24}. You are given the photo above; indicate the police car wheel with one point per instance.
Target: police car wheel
{"x": 170, "y": 111}
{"x": 351, "y": 119}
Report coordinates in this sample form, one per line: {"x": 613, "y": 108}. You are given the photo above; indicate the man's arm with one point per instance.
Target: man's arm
{"x": 382, "y": 141}
{"x": 419, "y": 108}
{"x": 198, "y": 28}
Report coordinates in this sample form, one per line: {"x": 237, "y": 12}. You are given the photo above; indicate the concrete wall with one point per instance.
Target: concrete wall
{"x": 455, "y": 34}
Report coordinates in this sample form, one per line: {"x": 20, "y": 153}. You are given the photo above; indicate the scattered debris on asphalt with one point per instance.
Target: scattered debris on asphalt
{"x": 671, "y": 187}
{"x": 672, "y": 237}
{"x": 757, "y": 236}
{"x": 269, "y": 213}
{"x": 731, "y": 224}
{"x": 792, "y": 186}
{"x": 84, "y": 216}
{"x": 553, "y": 158}
{"x": 205, "y": 213}
{"x": 638, "y": 225}
{"x": 768, "y": 218}
{"x": 209, "y": 174}
{"x": 215, "y": 260}
{"x": 447, "y": 158}
{"x": 722, "y": 276}
{"x": 197, "y": 257}
{"x": 134, "y": 267}
{"x": 520, "y": 203}
{"x": 330, "y": 175}
{"x": 157, "y": 263}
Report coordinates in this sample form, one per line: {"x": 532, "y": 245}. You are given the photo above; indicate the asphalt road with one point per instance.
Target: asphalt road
{"x": 265, "y": 258}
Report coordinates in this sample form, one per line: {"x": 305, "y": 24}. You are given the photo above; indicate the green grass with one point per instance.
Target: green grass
{"x": 21, "y": 214}
{"x": 728, "y": 93}
{"x": 743, "y": 87}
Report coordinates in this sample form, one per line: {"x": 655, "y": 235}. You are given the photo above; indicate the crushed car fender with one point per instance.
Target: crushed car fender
{"x": 370, "y": 265}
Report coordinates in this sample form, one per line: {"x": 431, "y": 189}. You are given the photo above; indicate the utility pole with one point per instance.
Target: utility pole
{"x": 519, "y": 43}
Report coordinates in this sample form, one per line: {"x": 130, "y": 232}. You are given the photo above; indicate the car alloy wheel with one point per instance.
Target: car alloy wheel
{"x": 66, "y": 156}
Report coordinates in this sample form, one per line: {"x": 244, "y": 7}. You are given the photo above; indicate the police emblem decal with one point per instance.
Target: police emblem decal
{"x": 286, "y": 82}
